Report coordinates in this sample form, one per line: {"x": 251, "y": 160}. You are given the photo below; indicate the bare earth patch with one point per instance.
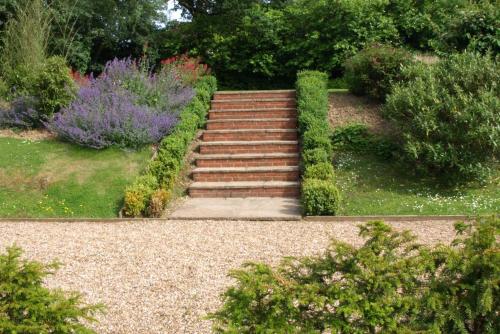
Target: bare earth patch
{"x": 164, "y": 277}
{"x": 33, "y": 135}
{"x": 346, "y": 108}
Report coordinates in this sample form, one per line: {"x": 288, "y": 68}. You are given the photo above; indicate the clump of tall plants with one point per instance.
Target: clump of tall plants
{"x": 126, "y": 106}
{"x": 390, "y": 284}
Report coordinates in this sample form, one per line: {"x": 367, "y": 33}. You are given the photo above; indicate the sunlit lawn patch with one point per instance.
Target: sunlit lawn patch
{"x": 370, "y": 186}
{"x": 49, "y": 178}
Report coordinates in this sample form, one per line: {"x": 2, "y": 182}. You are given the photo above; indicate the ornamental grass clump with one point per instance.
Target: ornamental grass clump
{"x": 126, "y": 106}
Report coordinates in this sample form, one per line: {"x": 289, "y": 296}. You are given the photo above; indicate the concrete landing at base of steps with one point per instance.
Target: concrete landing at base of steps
{"x": 239, "y": 209}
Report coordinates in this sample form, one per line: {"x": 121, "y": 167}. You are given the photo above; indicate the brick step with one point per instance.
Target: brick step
{"x": 276, "y": 123}
{"x": 244, "y": 189}
{"x": 253, "y": 104}
{"x": 255, "y": 94}
{"x": 247, "y": 160}
{"x": 231, "y": 174}
{"x": 247, "y": 147}
{"x": 250, "y": 135}
{"x": 253, "y": 113}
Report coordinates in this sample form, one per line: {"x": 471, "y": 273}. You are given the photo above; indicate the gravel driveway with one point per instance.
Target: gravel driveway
{"x": 163, "y": 277}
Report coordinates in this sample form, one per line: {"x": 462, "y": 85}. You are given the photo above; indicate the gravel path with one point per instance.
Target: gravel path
{"x": 163, "y": 277}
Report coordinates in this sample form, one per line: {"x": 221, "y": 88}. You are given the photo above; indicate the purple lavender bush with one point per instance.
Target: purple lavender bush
{"x": 126, "y": 106}
{"x": 21, "y": 113}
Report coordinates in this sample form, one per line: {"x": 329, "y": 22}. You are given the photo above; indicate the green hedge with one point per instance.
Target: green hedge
{"x": 320, "y": 195}
{"x": 148, "y": 195}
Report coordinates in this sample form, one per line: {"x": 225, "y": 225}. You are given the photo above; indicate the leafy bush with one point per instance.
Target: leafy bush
{"x": 189, "y": 69}
{"x": 165, "y": 168}
{"x": 320, "y": 171}
{"x": 54, "y": 87}
{"x": 357, "y": 138}
{"x": 448, "y": 114}
{"x": 375, "y": 69}
{"x": 315, "y": 156}
{"x": 319, "y": 193}
{"x": 29, "y": 307}
{"x": 138, "y": 195}
{"x": 20, "y": 113}
{"x": 388, "y": 285}
{"x": 126, "y": 106}
{"x": 320, "y": 197}
{"x": 24, "y": 49}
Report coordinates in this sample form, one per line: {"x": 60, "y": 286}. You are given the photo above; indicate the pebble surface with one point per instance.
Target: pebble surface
{"x": 164, "y": 277}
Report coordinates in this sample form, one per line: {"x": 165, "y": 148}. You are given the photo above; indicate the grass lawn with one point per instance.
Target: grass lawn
{"x": 48, "y": 178}
{"x": 370, "y": 186}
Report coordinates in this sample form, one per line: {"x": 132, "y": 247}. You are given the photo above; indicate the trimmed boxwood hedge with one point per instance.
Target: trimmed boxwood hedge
{"x": 320, "y": 195}
{"x": 150, "y": 192}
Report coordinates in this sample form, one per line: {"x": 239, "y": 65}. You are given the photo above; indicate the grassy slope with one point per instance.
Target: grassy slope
{"x": 370, "y": 186}
{"x": 53, "y": 179}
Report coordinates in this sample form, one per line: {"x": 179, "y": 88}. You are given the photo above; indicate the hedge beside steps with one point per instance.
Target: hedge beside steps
{"x": 320, "y": 196}
{"x": 150, "y": 193}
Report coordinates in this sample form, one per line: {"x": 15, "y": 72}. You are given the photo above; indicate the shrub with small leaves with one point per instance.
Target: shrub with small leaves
{"x": 320, "y": 197}
{"x": 27, "y": 306}
{"x": 390, "y": 284}
{"x": 315, "y": 156}
{"x": 448, "y": 115}
{"x": 375, "y": 69}
{"x": 320, "y": 171}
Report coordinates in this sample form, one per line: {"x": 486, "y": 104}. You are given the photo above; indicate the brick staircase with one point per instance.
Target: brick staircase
{"x": 250, "y": 147}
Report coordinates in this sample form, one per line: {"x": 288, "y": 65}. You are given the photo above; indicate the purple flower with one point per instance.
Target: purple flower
{"x": 126, "y": 106}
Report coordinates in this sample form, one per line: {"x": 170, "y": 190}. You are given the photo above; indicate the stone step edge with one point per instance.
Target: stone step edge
{"x": 250, "y": 130}
{"x": 263, "y": 169}
{"x": 255, "y": 91}
{"x": 244, "y": 185}
{"x": 229, "y": 120}
{"x": 245, "y": 156}
{"x": 254, "y": 100}
{"x": 253, "y": 110}
{"x": 250, "y": 143}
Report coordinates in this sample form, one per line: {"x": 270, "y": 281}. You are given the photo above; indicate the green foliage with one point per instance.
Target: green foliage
{"x": 54, "y": 88}
{"x": 315, "y": 156}
{"x": 26, "y": 306}
{"x": 357, "y": 138}
{"x": 24, "y": 48}
{"x": 143, "y": 200}
{"x": 138, "y": 195}
{"x": 320, "y": 171}
{"x": 388, "y": 285}
{"x": 320, "y": 197}
{"x": 319, "y": 193}
{"x": 464, "y": 295}
{"x": 448, "y": 115}
{"x": 375, "y": 69}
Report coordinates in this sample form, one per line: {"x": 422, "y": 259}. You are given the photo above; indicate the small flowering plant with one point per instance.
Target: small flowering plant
{"x": 187, "y": 68}
{"x": 126, "y": 106}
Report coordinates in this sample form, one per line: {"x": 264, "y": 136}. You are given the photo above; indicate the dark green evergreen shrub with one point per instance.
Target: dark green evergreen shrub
{"x": 390, "y": 284}
{"x": 375, "y": 69}
{"x": 54, "y": 88}
{"x": 145, "y": 199}
{"x": 315, "y": 156}
{"x": 27, "y": 306}
{"x": 320, "y": 171}
{"x": 320, "y": 197}
{"x": 449, "y": 116}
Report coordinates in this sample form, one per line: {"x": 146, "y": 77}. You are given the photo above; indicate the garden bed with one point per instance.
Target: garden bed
{"x": 48, "y": 178}
{"x": 371, "y": 185}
